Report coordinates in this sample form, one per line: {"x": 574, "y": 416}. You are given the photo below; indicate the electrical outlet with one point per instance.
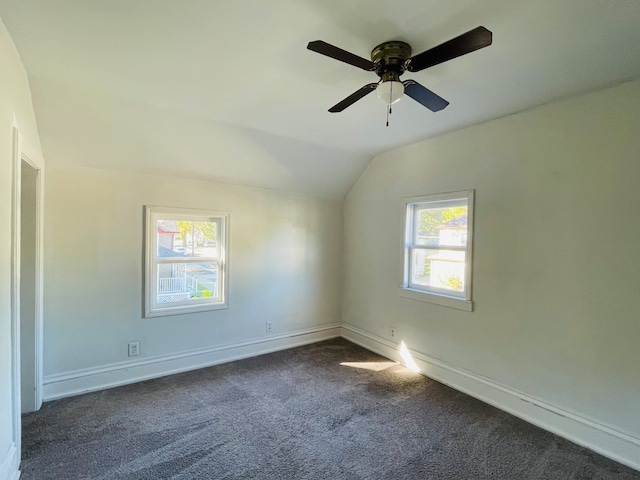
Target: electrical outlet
{"x": 269, "y": 326}
{"x": 393, "y": 332}
{"x": 134, "y": 348}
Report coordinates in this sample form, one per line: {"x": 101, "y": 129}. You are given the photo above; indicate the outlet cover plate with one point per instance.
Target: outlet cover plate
{"x": 134, "y": 348}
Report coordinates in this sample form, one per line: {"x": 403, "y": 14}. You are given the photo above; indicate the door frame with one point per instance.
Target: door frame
{"x": 17, "y": 158}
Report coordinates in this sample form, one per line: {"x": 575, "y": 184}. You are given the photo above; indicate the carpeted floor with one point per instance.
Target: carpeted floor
{"x": 331, "y": 410}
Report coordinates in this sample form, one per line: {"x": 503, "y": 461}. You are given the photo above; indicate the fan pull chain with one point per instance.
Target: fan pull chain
{"x": 389, "y": 109}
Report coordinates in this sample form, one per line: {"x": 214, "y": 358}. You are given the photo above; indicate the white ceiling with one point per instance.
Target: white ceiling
{"x": 226, "y": 91}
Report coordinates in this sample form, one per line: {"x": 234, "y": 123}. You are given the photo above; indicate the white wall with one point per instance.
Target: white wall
{"x": 15, "y": 110}
{"x": 285, "y": 267}
{"x": 556, "y": 257}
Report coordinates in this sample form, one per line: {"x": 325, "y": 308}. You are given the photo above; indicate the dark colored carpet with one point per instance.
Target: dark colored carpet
{"x": 297, "y": 414}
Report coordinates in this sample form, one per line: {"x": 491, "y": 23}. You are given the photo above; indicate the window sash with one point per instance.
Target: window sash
{"x": 438, "y": 247}
{"x": 184, "y": 281}
{"x": 441, "y": 270}
{"x": 188, "y": 260}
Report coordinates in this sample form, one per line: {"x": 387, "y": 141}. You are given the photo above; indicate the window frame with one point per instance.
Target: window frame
{"x": 433, "y": 294}
{"x": 154, "y": 213}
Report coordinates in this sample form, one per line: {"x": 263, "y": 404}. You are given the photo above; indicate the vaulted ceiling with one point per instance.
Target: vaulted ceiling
{"x": 228, "y": 92}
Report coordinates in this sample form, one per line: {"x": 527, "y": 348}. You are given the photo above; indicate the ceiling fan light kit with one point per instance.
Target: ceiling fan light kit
{"x": 390, "y": 60}
{"x": 390, "y": 91}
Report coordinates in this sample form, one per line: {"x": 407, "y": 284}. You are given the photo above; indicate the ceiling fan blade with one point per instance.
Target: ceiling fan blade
{"x": 424, "y": 96}
{"x": 353, "y": 98}
{"x": 334, "y": 52}
{"x": 468, "y": 42}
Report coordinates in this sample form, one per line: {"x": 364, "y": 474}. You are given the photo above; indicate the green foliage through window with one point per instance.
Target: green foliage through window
{"x": 432, "y": 218}
{"x": 202, "y": 231}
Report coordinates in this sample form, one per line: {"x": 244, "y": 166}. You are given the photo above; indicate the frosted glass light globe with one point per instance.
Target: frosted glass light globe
{"x": 390, "y": 91}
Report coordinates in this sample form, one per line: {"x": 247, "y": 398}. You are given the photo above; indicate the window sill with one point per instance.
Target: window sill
{"x": 163, "y": 312}
{"x": 451, "y": 302}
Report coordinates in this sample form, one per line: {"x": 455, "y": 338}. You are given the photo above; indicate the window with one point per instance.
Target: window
{"x": 437, "y": 249}
{"x": 186, "y": 260}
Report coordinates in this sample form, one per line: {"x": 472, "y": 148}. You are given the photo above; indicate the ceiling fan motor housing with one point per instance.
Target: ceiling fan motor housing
{"x": 390, "y": 59}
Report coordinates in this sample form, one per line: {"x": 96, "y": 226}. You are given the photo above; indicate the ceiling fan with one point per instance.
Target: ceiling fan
{"x": 390, "y": 60}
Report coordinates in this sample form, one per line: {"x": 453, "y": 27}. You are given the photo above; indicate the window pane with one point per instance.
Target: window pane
{"x": 168, "y": 232}
{"x": 186, "y": 238}
{"x": 442, "y": 269}
{"x": 187, "y": 282}
{"x": 444, "y": 225}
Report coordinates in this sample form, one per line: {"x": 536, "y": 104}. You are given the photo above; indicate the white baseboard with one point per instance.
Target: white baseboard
{"x": 122, "y": 373}
{"x": 603, "y": 439}
{"x": 9, "y": 464}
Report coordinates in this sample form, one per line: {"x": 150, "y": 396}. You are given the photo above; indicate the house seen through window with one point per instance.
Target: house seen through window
{"x": 186, "y": 261}
{"x": 437, "y": 248}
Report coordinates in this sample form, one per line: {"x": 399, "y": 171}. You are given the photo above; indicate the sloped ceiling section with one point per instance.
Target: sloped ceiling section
{"x": 227, "y": 91}
{"x": 96, "y": 129}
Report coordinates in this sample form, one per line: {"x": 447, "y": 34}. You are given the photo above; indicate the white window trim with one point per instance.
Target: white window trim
{"x": 151, "y": 212}
{"x": 443, "y": 299}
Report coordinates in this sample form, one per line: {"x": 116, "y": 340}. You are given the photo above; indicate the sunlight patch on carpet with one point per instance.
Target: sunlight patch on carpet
{"x": 373, "y": 366}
